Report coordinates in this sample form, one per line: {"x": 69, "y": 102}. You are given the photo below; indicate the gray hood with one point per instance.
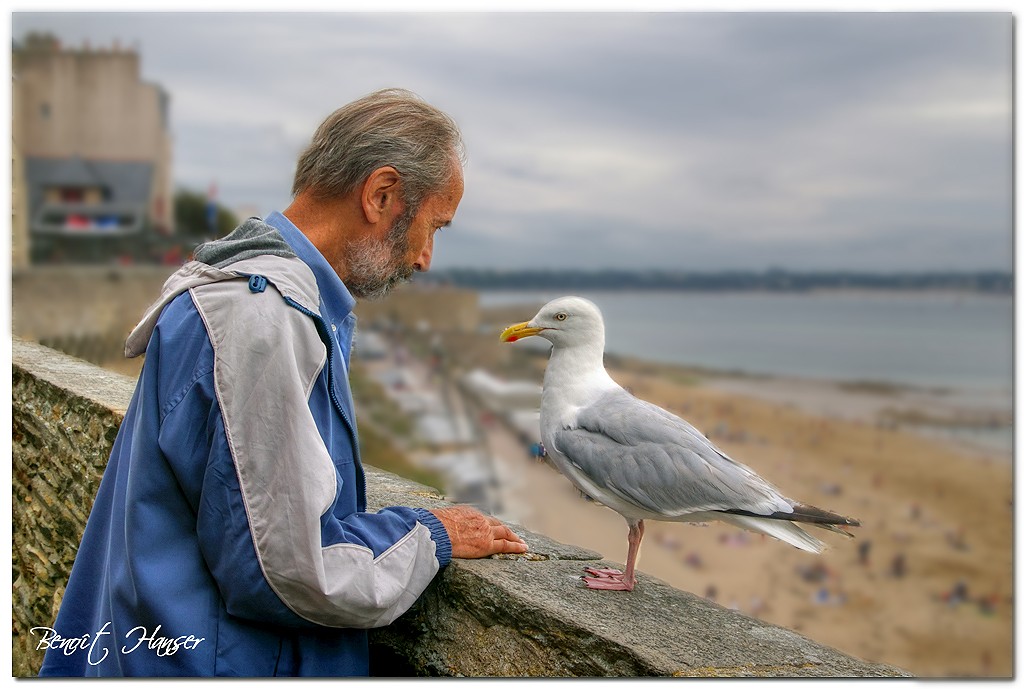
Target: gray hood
{"x": 252, "y": 238}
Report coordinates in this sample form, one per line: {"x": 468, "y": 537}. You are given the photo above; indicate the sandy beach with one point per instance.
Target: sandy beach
{"x": 927, "y": 582}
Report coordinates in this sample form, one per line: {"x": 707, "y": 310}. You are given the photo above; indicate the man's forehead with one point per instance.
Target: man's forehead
{"x": 447, "y": 201}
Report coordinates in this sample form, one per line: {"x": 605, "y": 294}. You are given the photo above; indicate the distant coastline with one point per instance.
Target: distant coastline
{"x": 977, "y": 282}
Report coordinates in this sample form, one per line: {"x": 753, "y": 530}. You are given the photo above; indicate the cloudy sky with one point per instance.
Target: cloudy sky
{"x": 865, "y": 141}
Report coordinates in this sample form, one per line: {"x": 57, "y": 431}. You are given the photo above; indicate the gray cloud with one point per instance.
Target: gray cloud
{"x": 680, "y": 140}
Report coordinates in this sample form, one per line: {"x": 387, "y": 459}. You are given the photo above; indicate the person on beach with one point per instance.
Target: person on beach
{"x": 229, "y": 535}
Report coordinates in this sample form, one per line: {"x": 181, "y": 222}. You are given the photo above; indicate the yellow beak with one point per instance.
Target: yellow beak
{"x": 518, "y": 332}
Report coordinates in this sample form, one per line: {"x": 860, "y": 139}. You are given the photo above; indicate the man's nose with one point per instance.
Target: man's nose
{"x": 422, "y": 263}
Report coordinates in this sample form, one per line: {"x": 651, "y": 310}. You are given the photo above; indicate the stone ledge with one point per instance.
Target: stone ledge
{"x": 520, "y": 616}
{"x": 78, "y": 378}
{"x": 531, "y": 616}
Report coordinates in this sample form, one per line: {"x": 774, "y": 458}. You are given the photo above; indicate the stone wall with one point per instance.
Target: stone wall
{"x": 64, "y": 417}
{"x": 86, "y": 311}
{"x": 514, "y": 616}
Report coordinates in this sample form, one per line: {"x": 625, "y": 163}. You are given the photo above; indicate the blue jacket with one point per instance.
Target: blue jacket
{"x": 229, "y": 534}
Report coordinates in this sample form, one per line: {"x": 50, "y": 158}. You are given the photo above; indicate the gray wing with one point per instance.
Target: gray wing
{"x": 659, "y": 462}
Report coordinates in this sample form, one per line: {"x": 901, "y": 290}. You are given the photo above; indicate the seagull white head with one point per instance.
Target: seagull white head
{"x": 564, "y": 322}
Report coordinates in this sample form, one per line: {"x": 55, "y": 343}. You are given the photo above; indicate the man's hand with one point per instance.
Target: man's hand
{"x": 474, "y": 534}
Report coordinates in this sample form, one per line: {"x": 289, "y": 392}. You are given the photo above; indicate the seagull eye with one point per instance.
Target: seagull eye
{"x": 561, "y": 316}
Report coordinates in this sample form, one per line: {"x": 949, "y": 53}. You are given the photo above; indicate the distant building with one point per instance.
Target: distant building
{"x": 94, "y": 144}
{"x": 19, "y": 199}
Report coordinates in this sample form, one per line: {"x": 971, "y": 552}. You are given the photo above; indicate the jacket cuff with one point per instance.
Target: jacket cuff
{"x": 438, "y": 533}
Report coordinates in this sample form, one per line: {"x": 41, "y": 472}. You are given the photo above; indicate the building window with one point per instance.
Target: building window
{"x": 71, "y": 195}
{"x": 44, "y": 111}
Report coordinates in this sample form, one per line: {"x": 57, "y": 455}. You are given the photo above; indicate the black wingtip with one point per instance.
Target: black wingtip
{"x": 816, "y": 515}
{"x": 808, "y": 514}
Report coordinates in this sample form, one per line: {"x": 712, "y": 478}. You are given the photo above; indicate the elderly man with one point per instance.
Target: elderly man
{"x": 229, "y": 535}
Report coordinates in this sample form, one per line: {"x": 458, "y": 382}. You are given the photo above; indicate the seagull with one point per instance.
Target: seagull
{"x": 639, "y": 459}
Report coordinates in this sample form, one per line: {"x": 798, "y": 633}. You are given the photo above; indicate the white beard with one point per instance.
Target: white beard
{"x": 374, "y": 266}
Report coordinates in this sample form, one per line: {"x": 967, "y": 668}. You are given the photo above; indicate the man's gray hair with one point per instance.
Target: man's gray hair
{"x": 391, "y": 127}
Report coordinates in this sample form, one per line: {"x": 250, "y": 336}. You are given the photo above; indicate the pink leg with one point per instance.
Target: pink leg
{"x": 612, "y": 579}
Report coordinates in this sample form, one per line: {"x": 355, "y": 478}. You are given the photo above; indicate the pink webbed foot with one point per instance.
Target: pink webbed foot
{"x": 603, "y": 584}
{"x": 606, "y": 572}
{"x": 607, "y": 579}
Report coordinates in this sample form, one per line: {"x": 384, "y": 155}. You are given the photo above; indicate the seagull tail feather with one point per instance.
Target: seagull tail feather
{"x": 785, "y": 531}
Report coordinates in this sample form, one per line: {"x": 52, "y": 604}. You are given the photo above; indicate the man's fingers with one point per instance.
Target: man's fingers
{"x": 506, "y": 540}
{"x": 503, "y": 545}
{"x": 503, "y": 532}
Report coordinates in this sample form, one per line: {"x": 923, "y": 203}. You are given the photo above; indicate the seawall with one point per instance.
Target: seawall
{"x": 519, "y": 616}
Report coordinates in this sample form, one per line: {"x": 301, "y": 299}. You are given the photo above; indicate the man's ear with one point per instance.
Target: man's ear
{"x": 381, "y": 193}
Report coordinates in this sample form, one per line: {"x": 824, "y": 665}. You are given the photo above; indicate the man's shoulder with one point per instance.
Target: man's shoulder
{"x": 179, "y": 315}
{"x": 263, "y": 313}
{"x": 290, "y": 277}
